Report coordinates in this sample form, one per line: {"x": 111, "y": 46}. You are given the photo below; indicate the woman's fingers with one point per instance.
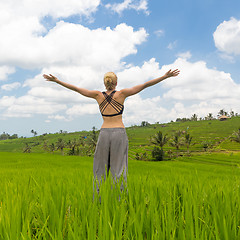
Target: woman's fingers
{"x": 48, "y": 77}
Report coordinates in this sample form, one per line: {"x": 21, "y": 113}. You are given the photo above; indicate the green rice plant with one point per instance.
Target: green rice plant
{"x": 51, "y": 197}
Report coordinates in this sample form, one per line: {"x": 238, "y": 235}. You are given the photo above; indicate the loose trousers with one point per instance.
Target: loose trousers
{"x": 111, "y": 154}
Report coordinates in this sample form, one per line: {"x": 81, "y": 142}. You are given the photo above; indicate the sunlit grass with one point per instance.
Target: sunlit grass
{"x": 51, "y": 197}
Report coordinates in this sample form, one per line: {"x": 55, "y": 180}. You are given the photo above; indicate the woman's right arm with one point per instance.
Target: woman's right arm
{"x": 138, "y": 88}
{"x": 82, "y": 91}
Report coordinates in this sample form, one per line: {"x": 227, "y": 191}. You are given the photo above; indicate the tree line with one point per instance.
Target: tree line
{"x": 84, "y": 145}
{"x": 210, "y": 116}
{"x": 5, "y": 136}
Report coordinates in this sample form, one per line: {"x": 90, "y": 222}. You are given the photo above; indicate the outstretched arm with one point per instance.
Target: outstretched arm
{"x": 83, "y": 91}
{"x": 138, "y": 88}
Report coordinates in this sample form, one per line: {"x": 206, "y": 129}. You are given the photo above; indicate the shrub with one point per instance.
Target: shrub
{"x": 157, "y": 154}
{"x": 142, "y": 156}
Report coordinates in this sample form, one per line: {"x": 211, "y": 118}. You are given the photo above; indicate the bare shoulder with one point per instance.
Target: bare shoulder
{"x": 121, "y": 95}
{"x": 126, "y": 92}
{"x": 96, "y": 94}
{"x": 88, "y": 93}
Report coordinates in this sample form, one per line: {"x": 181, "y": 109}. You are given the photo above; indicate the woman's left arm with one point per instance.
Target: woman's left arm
{"x": 83, "y": 91}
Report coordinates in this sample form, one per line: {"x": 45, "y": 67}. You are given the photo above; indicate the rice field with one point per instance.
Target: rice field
{"x": 44, "y": 196}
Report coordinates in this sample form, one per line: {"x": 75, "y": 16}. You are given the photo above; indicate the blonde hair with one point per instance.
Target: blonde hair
{"x": 110, "y": 80}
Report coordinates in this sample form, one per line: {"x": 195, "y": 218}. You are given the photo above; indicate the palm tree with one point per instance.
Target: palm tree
{"x": 159, "y": 139}
{"x": 60, "y": 145}
{"x": 51, "y": 147}
{"x": 194, "y": 117}
{"x": 188, "y": 140}
{"x": 210, "y": 116}
{"x": 73, "y": 144}
{"x": 33, "y": 132}
{"x": 232, "y": 114}
{"x": 222, "y": 112}
{"x": 176, "y": 141}
{"x": 236, "y": 136}
{"x": 93, "y": 139}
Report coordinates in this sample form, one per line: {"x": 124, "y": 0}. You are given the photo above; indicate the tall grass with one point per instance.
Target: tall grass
{"x": 52, "y": 198}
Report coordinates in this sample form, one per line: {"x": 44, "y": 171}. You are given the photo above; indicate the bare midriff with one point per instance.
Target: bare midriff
{"x": 113, "y": 122}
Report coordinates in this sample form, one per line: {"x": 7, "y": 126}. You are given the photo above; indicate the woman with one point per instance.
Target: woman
{"x": 111, "y": 152}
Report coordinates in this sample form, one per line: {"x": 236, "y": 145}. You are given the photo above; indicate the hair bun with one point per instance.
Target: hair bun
{"x": 110, "y": 80}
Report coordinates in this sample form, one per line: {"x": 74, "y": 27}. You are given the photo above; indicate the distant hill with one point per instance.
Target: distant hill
{"x": 215, "y": 133}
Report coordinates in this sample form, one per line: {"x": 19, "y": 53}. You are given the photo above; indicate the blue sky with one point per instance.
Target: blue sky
{"x": 137, "y": 39}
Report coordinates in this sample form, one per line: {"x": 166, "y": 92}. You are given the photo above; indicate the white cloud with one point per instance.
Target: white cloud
{"x": 198, "y": 89}
{"x": 27, "y": 106}
{"x": 141, "y": 5}
{"x": 21, "y": 42}
{"x": 71, "y": 44}
{"x": 227, "y": 37}
{"x": 138, "y": 109}
{"x": 11, "y": 86}
{"x": 54, "y": 8}
{"x": 5, "y": 71}
{"x": 134, "y": 75}
{"x": 159, "y": 33}
{"x": 83, "y": 109}
{"x": 172, "y": 45}
{"x": 198, "y": 82}
{"x": 58, "y": 117}
{"x": 185, "y": 55}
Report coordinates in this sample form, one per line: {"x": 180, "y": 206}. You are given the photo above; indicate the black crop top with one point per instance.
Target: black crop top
{"x": 109, "y": 100}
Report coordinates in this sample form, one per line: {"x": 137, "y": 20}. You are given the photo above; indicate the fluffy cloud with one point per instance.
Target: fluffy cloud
{"x": 198, "y": 82}
{"x": 227, "y": 37}
{"x": 141, "y": 5}
{"x": 21, "y": 25}
{"x": 185, "y": 55}
{"x": 5, "y": 71}
{"x": 27, "y": 106}
{"x": 198, "y": 89}
{"x": 70, "y": 44}
{"x": 133, "y": 75}
{"x": 11, "y": 86}
{"x": 58, "y": 117}
{"x": 83, "y": 109}
{"x": 54, "y": 8}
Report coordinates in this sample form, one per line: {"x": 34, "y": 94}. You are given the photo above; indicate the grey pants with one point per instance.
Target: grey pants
{"x": 111, "y": 153}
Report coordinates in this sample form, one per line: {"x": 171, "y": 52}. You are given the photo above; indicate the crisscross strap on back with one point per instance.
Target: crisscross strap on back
{"x": 110, "y": 101}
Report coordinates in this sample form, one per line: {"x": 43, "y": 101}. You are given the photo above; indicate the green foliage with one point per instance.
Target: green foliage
{"x": 188, "y": 140}
{"x": 206, "y": 145}
{"x": 5, "y": 136}
{"x": 236, "y": 136}
{"x": 145, "y": 124}
{"x": 51, "y": 197}
{"x": 159, "y": 139}
{"x": 214, "y": 131}
{"x": 157, "y": 154}
{"x": 177, "y": 141}
{"x": 141, "y": 156}
{"x": 27, "y": 148}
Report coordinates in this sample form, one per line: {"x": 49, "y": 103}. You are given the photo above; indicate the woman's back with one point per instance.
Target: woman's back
{"x": 111, "y": 105}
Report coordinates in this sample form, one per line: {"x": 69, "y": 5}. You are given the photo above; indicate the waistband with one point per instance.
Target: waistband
{"x": 112, "y": 130}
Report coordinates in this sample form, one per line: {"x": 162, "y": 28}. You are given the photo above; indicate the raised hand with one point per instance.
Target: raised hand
{"x": 50, "y": 77}
{"x": 172, "y": 73}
